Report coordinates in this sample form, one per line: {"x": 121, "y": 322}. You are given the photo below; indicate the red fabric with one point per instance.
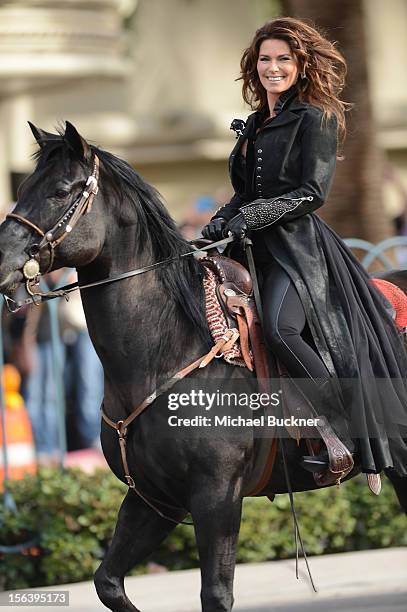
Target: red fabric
{"x": 396, "y": 297}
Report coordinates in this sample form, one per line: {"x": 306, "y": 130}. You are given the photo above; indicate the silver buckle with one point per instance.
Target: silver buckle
{"x": 92, "y": 182}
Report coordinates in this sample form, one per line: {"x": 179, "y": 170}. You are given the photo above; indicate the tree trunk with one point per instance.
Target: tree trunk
{"x": 355, "y": 207}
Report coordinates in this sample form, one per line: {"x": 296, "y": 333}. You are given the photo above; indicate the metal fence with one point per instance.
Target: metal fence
{"x": 377, "y": 252}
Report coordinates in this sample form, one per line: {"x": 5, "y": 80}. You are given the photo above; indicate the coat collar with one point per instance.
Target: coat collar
{"x": 285, "y": 98}
{"x": 287, "y": 107}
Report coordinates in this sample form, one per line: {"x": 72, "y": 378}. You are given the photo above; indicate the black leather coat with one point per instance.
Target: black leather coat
{"x": 290, "y": 163}
{"x": 291, "y": 155}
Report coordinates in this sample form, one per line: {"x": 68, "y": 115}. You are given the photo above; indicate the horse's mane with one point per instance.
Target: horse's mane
{"x": 154, "y": 227}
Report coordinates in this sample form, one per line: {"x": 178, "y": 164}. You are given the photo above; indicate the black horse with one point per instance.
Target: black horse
{"x": 144, "y": 330}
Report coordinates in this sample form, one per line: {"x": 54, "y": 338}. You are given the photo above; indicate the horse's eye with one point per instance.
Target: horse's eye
{"x": 61, "y": 194}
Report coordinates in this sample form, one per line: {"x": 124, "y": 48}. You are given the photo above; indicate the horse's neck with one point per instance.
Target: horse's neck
{"x": 137, "y": 331}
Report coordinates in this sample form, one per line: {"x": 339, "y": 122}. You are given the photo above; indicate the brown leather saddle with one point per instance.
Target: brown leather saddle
{"x": 234, "y": 291}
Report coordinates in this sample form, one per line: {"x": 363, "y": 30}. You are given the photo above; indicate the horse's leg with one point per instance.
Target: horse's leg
{"x": 217, "y": 521}
{"x": 400, "y": 486}
{"x": 139, "y": 531}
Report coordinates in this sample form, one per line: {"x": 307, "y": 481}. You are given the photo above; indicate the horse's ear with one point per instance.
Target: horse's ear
{"x": 41, "y": 136}
{"x": 78, "y": 144}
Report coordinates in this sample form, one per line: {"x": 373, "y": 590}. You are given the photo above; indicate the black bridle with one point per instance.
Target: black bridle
{"x": 51, "y": 238}
{"x": 54, "y": 236}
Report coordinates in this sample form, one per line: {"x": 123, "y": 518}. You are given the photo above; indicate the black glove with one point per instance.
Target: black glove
{"x": 214, "y": 229}
{"x": 237, "y": 226}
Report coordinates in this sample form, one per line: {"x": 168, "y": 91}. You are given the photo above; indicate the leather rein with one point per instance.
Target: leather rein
{"x": 53, "y": 237}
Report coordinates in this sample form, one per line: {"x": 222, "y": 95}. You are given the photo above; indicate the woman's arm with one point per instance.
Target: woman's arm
{"x": 319, "y": 148}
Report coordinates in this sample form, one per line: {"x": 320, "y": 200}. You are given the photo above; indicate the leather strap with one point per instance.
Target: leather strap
{"x": 121, "y": 426}
{"x": 69, "y": 219}
{"x": 267, "y": 471}
{"x": 298, "y": 538}
{"x": 244, "y": 341}
{"x": 14, "y": 306}
{"x": 258, "y": 348}
{"x": 224, "y": 343}
{"x": 26, "y": 221}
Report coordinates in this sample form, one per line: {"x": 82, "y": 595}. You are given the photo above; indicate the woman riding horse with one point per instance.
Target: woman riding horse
{"x": 83, "y": 207}
{"x": 323, "y": 320}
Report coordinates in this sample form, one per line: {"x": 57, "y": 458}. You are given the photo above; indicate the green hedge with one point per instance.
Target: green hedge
{"x": 75, "y": 513}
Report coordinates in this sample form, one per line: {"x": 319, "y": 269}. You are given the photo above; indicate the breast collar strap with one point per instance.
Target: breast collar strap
{"x": 223, "y": 345}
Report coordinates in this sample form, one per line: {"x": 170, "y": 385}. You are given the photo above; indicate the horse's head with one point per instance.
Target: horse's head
{"x": 56, "y": 221}
{"x": 66, "y": 216}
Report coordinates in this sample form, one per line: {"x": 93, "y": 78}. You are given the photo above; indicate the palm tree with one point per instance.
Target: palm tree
{"x": 355, "y": 207}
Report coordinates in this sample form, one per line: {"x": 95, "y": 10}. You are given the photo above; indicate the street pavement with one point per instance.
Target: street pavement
{"x": 366, "y": 581}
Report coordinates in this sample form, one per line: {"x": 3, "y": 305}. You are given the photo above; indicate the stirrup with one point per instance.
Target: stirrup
{"x": 315, "y": 463}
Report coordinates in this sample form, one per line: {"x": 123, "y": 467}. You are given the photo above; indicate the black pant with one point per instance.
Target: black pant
{"x": 284, "y": 322}
{"x": 291, "y": 342}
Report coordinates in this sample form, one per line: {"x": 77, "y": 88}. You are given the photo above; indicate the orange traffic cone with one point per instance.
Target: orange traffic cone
{"x": 19, "y": 438}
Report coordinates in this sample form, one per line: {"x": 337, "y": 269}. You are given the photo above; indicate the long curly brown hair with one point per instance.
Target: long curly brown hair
{"x": 321, "y": 67}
